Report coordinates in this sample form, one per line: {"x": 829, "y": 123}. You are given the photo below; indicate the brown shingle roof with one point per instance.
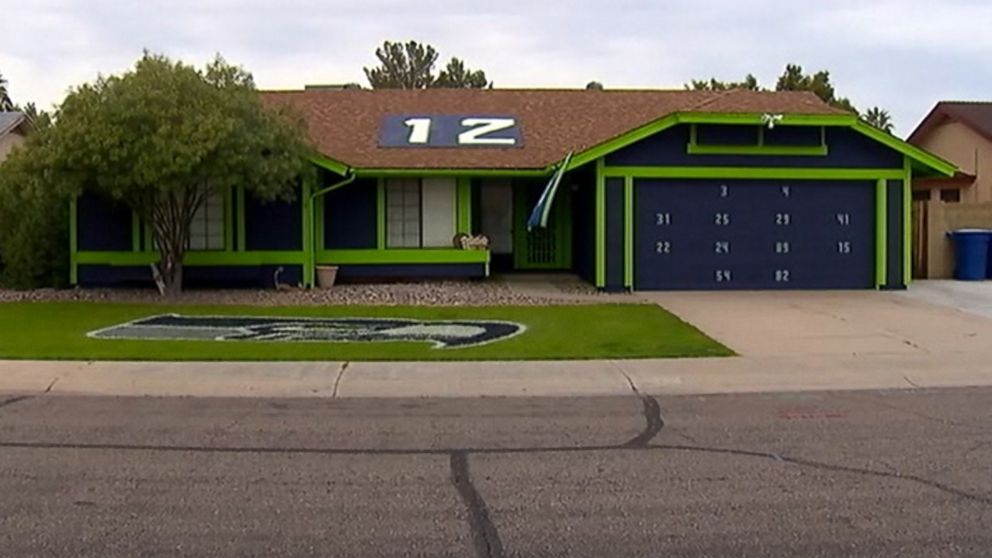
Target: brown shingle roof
{"x": 344, "y": 125}
{"x": 973, "y": 114}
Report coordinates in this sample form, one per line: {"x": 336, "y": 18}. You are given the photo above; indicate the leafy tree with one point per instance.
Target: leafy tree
{"x": 410, "y": 65}
{"x": 34, "y": 223}
{"x": 6, "y": 104}
{"x": 165, "y": 136}
{"x": 793, "y": 79}
{"x": 749, "y": 82}
{"x": 594, "y": 85}
{"x": 879, "y": 118}
{"x": 456, "y": 76}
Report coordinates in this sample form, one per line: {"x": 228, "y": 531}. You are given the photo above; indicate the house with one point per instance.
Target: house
{"x": 960, "y": 132}
{"x": 629, "y": 189}
{"x": 13, "y": 130}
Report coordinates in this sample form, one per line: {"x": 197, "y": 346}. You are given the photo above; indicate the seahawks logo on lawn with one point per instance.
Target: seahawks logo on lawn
{"x": 443, "y": 333}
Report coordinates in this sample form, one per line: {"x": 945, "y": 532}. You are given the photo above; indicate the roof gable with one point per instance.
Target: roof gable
{"x": 13, "y": 121}
{"x": 975, "y": 115}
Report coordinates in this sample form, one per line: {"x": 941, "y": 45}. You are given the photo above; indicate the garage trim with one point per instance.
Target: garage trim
{"x": 778, "y": 173}
{"x": 881, "y": 203}
{"x": 600, "y": 224}
{"x": 628, "y": 232}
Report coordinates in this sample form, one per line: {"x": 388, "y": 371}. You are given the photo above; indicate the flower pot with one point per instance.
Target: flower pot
{"x": 326, "y": 276}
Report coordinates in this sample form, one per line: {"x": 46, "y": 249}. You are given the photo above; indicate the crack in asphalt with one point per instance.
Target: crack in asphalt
{"x": 947, "y": 489}
{"x": 485, "y": 537}
{"x": 13, "y": 400}
{"x": 337, "y": 381}
{"x": 652, "y": 416}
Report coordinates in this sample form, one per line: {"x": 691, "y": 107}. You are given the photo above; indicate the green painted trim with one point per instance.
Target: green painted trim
{"x": 637, "y": 134}
{"x": 433, "y": 172}
{"x": 880, "y": 233}
{"x": 755, "y": 118}
{"x": 402, "y": 256}
{"x": 306, "y": 210}
{"x": 804, "y": 150}
{"x": 754, "y": 172}
{"x": 907, "y": 222}
{"x": 463, "y": 211}
{"x": 135, "y": 232}
{"x": 600, "y": 224}
{"x": 330, "y": 164}
{"x": 628, "y": 232}
{"x": 242, "y": 227}
{"x": 73, "y": 243}
{"x": 197, "y": 258}
{"x": 380, "y": 223}
{"x": 928, "y": 160}
{"x": 315, "y": 230}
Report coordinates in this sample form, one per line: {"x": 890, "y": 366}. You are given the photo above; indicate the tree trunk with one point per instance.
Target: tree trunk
{"x": 173, "y": 284}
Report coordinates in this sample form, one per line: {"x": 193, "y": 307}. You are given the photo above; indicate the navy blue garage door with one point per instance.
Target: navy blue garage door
{"x": 744, "y": 234}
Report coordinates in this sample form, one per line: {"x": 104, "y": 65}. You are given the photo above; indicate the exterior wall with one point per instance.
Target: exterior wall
{"x": 942, "y": 218}
{"x": 971, "y": 153}
{"x": 8, "y": 143}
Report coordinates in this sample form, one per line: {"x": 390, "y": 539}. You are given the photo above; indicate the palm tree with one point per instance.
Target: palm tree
{"x": 6, "y": 105}
{"x": 879, "y": 118}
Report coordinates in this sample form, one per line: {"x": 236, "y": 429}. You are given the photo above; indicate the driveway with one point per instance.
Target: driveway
{"x": 832, "y": 323}
{"x": 974, "y": 297}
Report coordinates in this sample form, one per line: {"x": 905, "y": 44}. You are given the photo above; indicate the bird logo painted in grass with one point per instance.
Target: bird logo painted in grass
{"x": 444, "y": 334}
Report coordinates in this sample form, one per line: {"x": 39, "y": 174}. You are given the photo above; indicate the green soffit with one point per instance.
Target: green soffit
{"x": 924, "y": 163}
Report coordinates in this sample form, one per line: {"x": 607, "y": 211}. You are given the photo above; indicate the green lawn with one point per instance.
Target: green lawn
{"x": 57, "y": 330}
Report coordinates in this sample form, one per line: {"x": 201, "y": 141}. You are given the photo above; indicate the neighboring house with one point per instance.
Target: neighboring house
{"x": 960, "y": 132}
{"x": 13, "y": 130}
{"x": 628, "y": 189}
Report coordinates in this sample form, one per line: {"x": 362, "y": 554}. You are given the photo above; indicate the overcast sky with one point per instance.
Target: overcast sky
{"x": 903, "y": 55}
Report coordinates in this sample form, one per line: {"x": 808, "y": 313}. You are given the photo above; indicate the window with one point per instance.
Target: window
{"x": 420, "y": 213}
{"x": 403, "y": 213}
{"x": 950, "y": 195}
{"x": 206, "y": 232}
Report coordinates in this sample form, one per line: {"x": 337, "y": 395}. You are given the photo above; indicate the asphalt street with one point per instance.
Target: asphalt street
{"x": 861, "y": 473}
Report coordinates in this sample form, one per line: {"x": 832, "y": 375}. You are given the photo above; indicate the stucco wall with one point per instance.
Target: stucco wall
{"x": 945, "y": 217}
{"x": 969, "y": 151}
{"x": 8, "y": 142}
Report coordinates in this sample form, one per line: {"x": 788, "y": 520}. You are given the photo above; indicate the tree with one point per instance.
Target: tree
{"x": 879, "y": 118}
{"x": 165, "y": 136}
{"x": 34, "y": 223}
{"x": 6, "y": 104}
{"x": 410, "y": 65}
{"x": 749, "y": 82}
{"x": 594, "y": 85}
{"x": 793, "y": 79}
{"x": 456, "y": 76}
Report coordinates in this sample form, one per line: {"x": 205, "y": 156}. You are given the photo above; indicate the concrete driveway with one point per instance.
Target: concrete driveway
{"x": 831, "y": 323}
{"x": 974, "y": 297}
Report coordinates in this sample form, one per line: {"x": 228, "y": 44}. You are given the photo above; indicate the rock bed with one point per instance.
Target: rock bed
{"x": 437, "y": 293}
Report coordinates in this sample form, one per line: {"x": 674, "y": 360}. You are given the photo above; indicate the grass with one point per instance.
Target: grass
{"x": 57, "y": 330}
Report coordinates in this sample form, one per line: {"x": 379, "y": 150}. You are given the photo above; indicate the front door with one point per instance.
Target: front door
{"x": 496, "y": 220}
{"x": 547, "y": 248}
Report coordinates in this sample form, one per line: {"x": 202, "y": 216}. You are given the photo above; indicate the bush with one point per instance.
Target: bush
{"x": 34, "y": 221}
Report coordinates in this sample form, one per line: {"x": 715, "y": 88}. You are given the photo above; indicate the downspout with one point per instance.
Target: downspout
{"x": 312, "y": 257}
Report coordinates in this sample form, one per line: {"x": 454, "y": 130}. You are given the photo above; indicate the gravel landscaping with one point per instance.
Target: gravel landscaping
{"x": 493, "y": 292}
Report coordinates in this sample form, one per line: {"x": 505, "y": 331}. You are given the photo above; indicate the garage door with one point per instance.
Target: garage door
{"x": 754, "y": 234}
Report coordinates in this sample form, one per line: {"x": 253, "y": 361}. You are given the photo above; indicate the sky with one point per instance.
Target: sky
{"x": 902, "y": 55}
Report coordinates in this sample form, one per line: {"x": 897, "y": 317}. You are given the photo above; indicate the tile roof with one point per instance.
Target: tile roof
{"x": 344, "y": 124}
{"x": 976, "y": 115}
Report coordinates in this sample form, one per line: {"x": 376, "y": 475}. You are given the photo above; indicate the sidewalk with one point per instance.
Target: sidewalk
{"x": 497, "y": 379}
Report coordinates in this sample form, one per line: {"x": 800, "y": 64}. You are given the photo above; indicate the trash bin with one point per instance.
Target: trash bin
{"x": 971, "y": 250}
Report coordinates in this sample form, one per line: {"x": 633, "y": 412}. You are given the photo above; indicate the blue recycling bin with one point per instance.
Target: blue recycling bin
{"x": 971, "y": 249}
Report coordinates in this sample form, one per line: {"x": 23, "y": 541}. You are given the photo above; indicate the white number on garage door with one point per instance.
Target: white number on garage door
{"x": 663, "y": 219}
{"x": 722, "y": 276}
{"x": 663, "y": 247}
